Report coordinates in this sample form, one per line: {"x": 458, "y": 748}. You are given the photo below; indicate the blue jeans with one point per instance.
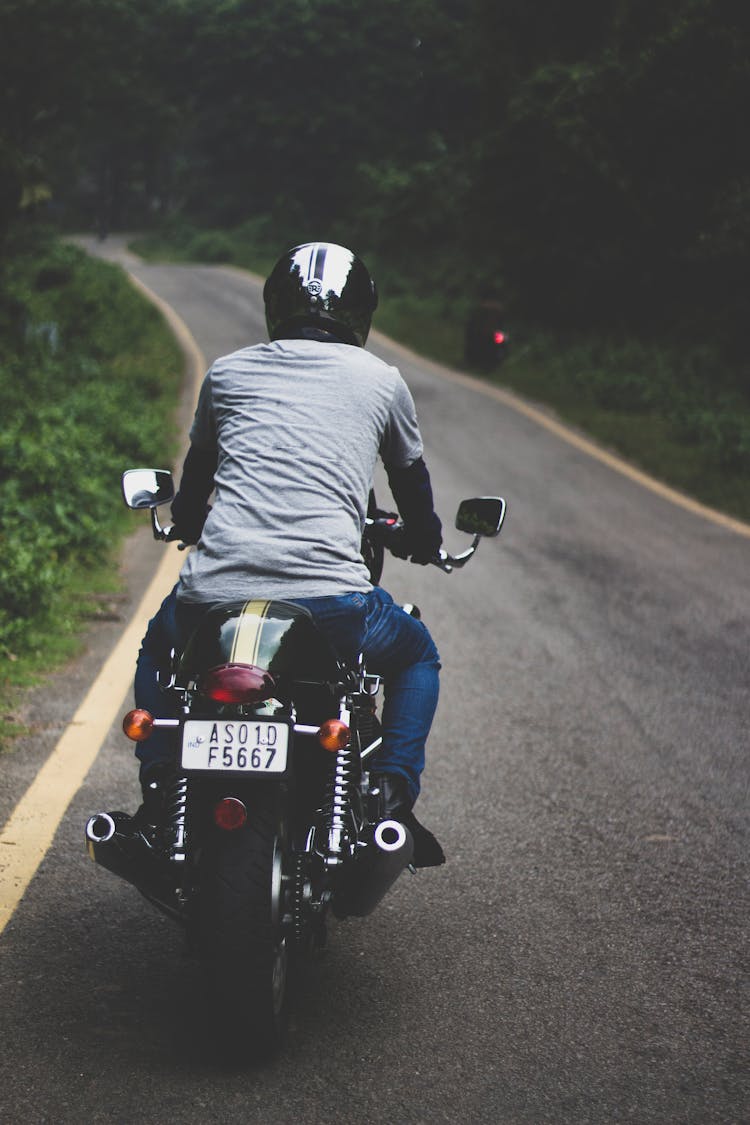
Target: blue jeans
{"x": 396, "y": 646}
{"x": 154, "y": 658}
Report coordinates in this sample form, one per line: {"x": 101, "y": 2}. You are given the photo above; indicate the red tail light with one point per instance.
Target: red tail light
{"x": 230, "y": 814}
{"x": 237, "y": 683}
{"x": 499, "y": 337}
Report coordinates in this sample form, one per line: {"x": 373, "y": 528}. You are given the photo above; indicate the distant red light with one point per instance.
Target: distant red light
{"x": 499, "y": 337}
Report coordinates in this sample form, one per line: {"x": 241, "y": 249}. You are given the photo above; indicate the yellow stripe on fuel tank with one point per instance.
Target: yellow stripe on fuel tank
{"x": 248, "y": 634}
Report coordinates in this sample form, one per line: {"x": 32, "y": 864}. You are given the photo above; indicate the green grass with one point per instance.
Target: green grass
{"x": 651, "y": 405}
{"x": 422, "y": 325}
{"x": 250, "y": 246}
{"x": 89, "y": 379}
{"x": 54, "y": 638}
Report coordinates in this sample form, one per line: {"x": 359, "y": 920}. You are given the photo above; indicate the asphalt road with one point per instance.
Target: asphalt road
{"x": 583, "y": 955}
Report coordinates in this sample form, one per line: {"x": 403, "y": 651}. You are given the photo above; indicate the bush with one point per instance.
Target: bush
{"x": 679, "y": 412}
{"x": 211, "y": 246}
{"x": 79, "y": 349}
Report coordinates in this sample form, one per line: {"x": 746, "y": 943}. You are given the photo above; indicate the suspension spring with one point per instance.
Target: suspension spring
{"x": 338, "y": 802}
{"x": 176, "y": 811}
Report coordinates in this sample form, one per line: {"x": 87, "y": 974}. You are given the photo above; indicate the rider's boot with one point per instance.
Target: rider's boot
{"x": 395, "y": 803}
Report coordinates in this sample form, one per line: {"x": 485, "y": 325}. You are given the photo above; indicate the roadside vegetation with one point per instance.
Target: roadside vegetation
{"x": 80, "y": 350}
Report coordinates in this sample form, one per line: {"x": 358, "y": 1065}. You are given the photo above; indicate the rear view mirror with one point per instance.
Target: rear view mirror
{"x": 483, "y": 515}
{"x": 147, "y": 488}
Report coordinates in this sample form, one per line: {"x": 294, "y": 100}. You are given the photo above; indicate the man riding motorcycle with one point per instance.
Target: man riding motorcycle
{"x": 286, "y": 435}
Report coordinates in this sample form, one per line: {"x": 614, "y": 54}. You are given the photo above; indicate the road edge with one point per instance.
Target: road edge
{"x": 31, "y": 827}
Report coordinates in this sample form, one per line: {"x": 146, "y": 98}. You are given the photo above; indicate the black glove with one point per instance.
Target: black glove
{"x": 420, "y": 546}
{"x": 188, "y": 534}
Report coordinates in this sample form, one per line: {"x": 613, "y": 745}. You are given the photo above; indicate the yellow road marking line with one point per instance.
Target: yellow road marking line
{"x": 195, "y": 362}
{"x": 30, "y": 830}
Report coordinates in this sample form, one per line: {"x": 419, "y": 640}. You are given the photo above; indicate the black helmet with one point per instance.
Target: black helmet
{"x": 320, "y": 285}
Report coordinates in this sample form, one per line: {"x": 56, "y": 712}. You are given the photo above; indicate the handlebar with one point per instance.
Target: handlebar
{"x": 480, "y": 516}
{"x": 385, "y": 524}
{"x": 443, "y": 560}
{"x": 165, "y": 532}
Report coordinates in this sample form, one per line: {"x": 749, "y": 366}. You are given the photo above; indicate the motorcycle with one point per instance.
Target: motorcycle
{"x": 271, "y": 822}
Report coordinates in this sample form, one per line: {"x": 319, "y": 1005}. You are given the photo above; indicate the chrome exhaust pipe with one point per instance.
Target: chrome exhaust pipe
{"x": 114, "y": 841}
{"x": 99, "y": 829}
{"x": 391, "y": 835}
{"x": 374, "y": 872}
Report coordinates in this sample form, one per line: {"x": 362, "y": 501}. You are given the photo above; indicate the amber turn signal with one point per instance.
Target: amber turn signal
{"x": 138, "y": 724}
{"x": 333, "y": 735}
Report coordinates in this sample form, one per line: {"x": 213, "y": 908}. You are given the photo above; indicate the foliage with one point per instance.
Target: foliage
{"x": 629, "y": 162}
{"x": 660, "y": 406}
{"x": 79, "y": 348}
{"x": 589, "y": 160}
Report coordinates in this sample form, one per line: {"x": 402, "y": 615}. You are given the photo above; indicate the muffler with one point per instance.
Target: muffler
{"x": 114, "y": 841}
{"x": 375, "y": 870}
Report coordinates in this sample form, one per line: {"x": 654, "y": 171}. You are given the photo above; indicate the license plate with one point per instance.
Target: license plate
{"x": 233, "y": 745}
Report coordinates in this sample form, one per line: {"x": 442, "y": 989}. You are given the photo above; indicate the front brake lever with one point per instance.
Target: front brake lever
{"x": 442, "y": 561}
{"x": 448, "y": 563}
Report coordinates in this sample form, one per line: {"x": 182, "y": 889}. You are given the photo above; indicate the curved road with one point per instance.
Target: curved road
{"x": 583, "y": 955}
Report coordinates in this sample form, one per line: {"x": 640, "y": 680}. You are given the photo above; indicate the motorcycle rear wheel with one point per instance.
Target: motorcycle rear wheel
{"x": 240, "y": 936}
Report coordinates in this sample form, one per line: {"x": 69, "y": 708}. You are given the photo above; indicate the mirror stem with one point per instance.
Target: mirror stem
{"x": 158, "y": 530}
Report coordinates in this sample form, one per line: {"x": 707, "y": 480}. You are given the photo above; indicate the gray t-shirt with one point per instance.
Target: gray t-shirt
{"x": 298, "y": 426}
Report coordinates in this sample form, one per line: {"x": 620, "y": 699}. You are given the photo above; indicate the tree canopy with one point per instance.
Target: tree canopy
{"x": 588, "y": 159}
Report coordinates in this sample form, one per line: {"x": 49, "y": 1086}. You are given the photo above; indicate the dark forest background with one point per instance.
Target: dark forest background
{"x": 588, "y": 159}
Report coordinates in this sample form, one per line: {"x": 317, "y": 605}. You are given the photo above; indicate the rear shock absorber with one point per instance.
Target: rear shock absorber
{"x": 176, "y": 810}
{"x": 339, "y": 797}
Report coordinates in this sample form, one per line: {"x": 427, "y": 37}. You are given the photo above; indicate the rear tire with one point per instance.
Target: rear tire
{"x": 241, "y": 942}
